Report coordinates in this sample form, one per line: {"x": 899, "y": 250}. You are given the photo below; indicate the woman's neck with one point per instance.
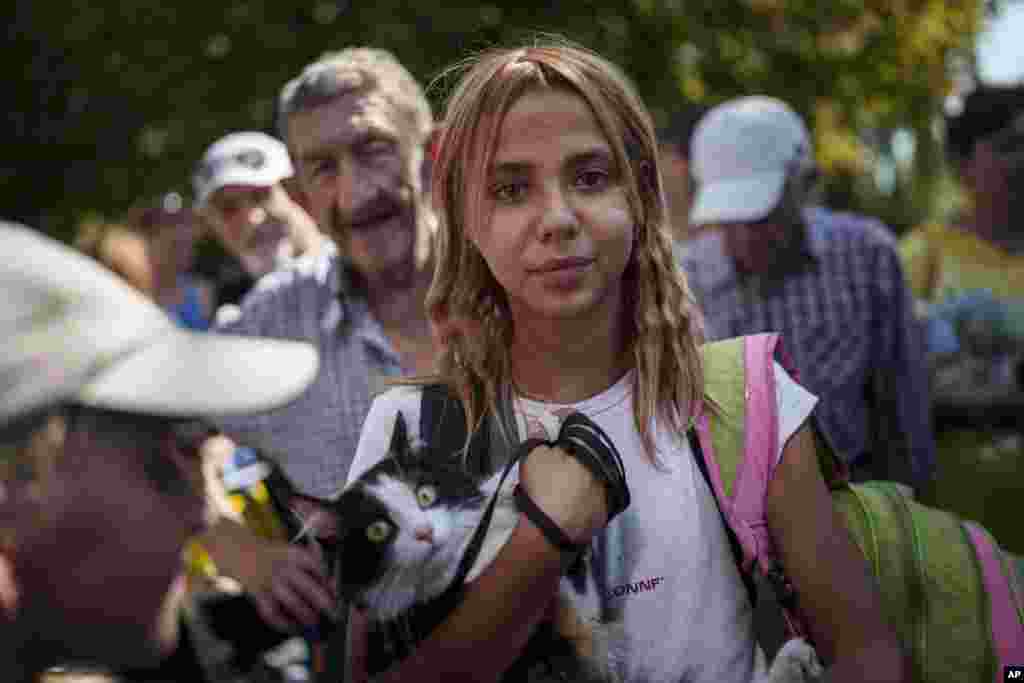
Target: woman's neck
{"x": 567, "y": 361}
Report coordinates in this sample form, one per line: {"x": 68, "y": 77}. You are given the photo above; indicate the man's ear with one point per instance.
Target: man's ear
{"x": 296, "y": 192}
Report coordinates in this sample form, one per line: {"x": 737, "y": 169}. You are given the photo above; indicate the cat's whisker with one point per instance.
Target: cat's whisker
{"x": 307, "y": 528}
{"x": 471, "y": 503}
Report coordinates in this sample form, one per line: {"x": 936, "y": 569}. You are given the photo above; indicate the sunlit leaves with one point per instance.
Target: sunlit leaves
{"x": 116, "y": 99}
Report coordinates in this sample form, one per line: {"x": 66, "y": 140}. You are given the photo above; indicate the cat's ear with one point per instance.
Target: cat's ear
{"x": 399, "y": 437}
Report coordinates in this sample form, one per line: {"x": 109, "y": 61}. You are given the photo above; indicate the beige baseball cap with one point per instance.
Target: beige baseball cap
{"x": 74, "y": 332}
{"x": 741, "y": 155}
{"x": 245, "y": 158}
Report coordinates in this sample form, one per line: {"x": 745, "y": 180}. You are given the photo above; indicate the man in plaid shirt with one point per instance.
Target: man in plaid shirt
{"x": 358, "y": 129}
{"x": 830, "y": 283}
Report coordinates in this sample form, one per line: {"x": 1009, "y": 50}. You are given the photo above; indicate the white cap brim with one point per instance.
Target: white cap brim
{"x": 196, "y": 374}
{"x": 244, "y": 177}
{"x": 738, "y": 201}
{"x": 73, "y": 332}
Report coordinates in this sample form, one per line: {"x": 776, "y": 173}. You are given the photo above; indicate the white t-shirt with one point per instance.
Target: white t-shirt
{"x": 662, "y": 571}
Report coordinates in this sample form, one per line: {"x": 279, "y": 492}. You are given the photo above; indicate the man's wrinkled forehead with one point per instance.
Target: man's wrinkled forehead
{"x": 320, "y": 84}
{"x": 348, "y": 118}
{"x": 324, "y": 83}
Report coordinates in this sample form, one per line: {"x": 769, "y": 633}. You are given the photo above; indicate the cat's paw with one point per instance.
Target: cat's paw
{"x": 796, "y": 662}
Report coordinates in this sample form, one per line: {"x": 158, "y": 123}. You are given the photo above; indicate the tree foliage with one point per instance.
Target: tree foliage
{"x": 116, "y": 100}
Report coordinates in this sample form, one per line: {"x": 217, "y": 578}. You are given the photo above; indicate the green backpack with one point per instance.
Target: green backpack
{"x": 953, "y": 595}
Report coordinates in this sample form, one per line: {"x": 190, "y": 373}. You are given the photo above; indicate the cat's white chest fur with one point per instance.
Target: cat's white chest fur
{"x": 503, "y": 522}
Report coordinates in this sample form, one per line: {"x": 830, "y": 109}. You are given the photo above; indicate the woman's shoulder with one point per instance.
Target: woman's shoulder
{"x": 401, "y": 398}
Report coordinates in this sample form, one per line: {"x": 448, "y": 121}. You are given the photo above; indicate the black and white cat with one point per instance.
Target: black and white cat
{"x": 405, "y": 524}
{"x": 403, "y": 528}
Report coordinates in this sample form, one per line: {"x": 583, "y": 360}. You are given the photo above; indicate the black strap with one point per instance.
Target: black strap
{"x": 473, "y": 549}
{"x": 547, "y": 526}
{"x": 443, "y": 426}
{"x": 734, "y": 541}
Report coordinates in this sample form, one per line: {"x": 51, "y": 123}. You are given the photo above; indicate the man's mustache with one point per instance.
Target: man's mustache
{"x": 380, "y": 208}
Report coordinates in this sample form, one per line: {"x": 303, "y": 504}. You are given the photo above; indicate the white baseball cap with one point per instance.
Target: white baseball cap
{"x": 741, "y": 154}
{"x": 74, "y": 332}
{"x": 246, "y": 158}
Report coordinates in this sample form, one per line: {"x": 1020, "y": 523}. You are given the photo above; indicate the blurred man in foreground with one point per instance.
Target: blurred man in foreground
{"x": 99, "y": 491}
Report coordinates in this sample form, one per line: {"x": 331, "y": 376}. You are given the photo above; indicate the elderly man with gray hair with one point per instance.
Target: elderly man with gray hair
{"x": 240, "y": 185}
{"x": 357, "y": 126}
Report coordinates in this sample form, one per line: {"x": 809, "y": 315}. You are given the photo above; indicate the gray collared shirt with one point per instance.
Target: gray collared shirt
{"x": 846, "y": 318}
{"x": 314, "y": 438}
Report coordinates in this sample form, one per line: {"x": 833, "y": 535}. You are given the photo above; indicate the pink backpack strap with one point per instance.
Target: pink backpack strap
{"x": 760, "y": 458}
{"x": 761, "y": 443}
{"x": 743, "y": 498}
{"x": 1004, "y": 603}
{"x": 745, "y": 509}
{"x": 761, "y": 439}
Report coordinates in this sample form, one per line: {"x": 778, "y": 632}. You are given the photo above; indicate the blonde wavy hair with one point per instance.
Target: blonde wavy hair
{"x": 468, "y": 308}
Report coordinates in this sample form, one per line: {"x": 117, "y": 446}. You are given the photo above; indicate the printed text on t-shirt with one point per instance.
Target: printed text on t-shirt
{"x": 642, "y": 586}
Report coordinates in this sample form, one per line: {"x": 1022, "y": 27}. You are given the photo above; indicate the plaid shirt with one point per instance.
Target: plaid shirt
{"x": 846, "y": 318}
{"x": 314, "y": 439}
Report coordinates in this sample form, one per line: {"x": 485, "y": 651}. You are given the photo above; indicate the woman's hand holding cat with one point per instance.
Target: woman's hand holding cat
{"x": 566, "y": 491}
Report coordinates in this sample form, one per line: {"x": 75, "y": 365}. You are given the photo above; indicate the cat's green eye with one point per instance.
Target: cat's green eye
{"x": 426, "y": 495}
{"x": 378, "y": 531}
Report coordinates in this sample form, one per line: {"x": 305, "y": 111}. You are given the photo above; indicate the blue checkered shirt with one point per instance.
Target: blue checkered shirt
{"x": 846, "y": 318}
{"x": 314, "y": 439}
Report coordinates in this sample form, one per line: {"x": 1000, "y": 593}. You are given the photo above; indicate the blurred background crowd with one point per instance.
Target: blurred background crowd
{"x": 116, "y": 101}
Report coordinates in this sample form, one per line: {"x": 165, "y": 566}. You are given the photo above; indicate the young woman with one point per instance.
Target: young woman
{"x": 556, "y": 290}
